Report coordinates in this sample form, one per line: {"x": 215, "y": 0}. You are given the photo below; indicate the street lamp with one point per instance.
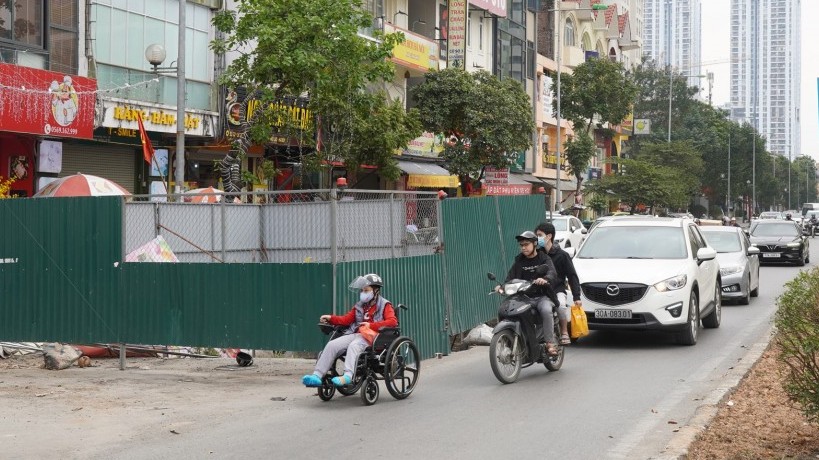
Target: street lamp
{"x": 558, "y": 51}
{"x": 155, "y": 54}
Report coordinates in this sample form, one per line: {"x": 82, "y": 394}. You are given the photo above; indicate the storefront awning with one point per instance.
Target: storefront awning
{"x": 565, "y": 185}
{"x": 427, "y": 175}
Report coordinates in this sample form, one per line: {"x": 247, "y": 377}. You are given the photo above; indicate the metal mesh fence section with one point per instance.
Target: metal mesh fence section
{"x": 286, "y": 227}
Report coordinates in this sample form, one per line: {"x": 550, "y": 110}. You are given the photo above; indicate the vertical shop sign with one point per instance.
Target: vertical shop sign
{"x": 456, "y": 33}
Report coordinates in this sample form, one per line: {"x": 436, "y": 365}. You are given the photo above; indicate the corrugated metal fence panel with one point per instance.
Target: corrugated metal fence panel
{"x": 416, "y": 282}
{"x": 261, "y": 306}
{"x": 57, "y": 280}
{"x": 479, "y": 238}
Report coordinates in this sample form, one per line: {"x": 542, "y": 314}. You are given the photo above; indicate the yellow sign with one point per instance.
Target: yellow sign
{"x": 155, "y": 117}
{"x": 425, "y": 145}
{"x": 415, "y": 52}
{"x": 425, "y": 180}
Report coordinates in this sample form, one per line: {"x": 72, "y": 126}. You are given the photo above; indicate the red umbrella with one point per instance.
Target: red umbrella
{"x": 82, "y": 185}
{"x": 204, "y": 195}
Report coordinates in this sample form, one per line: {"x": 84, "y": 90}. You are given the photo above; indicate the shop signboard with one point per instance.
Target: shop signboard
{"x": 46, "y": 103}
{"x": 426, "y": 145}
{"x": 415, "y": 52}
{"x": 496, "y": 7}
{"x": 289, "y": 131}
{"x": 123, "y": 114}
{"x": 456, "y": 33}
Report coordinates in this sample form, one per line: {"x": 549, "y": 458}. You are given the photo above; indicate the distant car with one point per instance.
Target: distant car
{"x": 650, "y": 274}
{"x": 569, "y": 231}
{"x": 780, "y": 241}
{"x": 738, "y": 262}
{"x": 771, "y": 215}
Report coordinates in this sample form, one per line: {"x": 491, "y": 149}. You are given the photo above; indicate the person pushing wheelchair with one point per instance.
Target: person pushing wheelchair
{"x": 372, "y": 312}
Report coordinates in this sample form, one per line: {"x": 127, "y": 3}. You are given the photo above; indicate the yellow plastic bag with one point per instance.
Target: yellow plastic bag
{"x": 580, "y": 326}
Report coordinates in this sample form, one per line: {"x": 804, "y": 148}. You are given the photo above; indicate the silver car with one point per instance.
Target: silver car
{"x": 738, "y": 262}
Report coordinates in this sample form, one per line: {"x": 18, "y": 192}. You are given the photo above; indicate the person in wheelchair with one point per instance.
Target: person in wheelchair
{"x": 371, "y": 311}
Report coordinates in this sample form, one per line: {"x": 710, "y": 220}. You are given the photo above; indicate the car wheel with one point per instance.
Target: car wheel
{"x": 692, "y": 330}
{"x": 755, "y": 292}
{"x": 747, "y": 298}
{"x": 713, "y": 320}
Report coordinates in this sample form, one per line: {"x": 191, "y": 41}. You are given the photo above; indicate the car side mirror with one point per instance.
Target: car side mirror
{"x": 581, "y": 231}
{"x": 704, "y": 254}
{"x": 753, "y": 251}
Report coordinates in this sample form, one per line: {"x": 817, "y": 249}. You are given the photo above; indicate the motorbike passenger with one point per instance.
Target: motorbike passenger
{"x": 371, "y": 311}
{"x": 788, "y": 216}
{"x": 537, "y": 267}
{"x": 565, "y": 271}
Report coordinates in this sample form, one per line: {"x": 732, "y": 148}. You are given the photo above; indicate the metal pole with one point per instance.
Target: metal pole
{"x": 729, "y": 175}
{"x": 753, "y": 167}
{"x": 392, "y": 225}
{"x": 789, "y": 178}
{"x": 670, "y": 92}
{"x": 334, "y": 242}
{"x": 558, "y": 27}
{"x": 180, "y": 103}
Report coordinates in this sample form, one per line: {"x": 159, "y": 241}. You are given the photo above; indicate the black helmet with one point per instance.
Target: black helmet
{"x": 527, "y": 235}
{"x": 370, "y": 279}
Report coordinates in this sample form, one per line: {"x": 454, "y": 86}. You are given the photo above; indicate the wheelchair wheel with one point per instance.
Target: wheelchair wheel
{"x": 402, "y": 367}
{"x": 326, "y": 391}
{"x": 369, "y": 391}
{"x": 351, "y": 389}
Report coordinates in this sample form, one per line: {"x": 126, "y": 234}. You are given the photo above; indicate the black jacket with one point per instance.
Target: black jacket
{"x": 565, "y": 270}
{"x": 540, "y": 266}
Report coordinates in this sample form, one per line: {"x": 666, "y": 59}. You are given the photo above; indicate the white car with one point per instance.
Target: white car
{"x": 652, "y": 273}
{"x": 569, "y": 231}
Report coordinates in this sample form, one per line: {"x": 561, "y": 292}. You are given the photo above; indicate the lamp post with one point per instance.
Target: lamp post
{"x": 789, "y": 177}
{"x": 748, "y": 203}
{"x": 156, "y": 56}
{"x": 559, "y": 59}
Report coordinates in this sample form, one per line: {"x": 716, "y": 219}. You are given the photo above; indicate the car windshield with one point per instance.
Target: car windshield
{"x": 723, "y": 241}
{"x": 783, "y": 229}
{"x": 560, "y": 224}
{"x": 634, "y": 242}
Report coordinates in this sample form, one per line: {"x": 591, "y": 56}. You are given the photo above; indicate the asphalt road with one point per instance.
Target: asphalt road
{"x": 618, "y": 395}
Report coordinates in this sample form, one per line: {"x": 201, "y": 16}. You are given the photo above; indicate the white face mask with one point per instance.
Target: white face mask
{"x": 366, "y": 296}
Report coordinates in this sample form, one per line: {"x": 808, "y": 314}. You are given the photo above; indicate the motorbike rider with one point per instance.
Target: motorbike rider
{"x": 788, "y": 216}
{"x": 565, "y": 271}
{"x": 734, "y": 222}
{"x": 813, "y": 222}
{"x": 371, "y": 311}
{"x": 537, "y": 267}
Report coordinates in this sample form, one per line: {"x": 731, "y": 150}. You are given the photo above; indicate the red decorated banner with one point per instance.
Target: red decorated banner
{"x": 46, "y": 103}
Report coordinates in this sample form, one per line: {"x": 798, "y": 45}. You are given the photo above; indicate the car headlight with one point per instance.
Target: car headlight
{"x": 730, "y": 270}
{"x": 672, "y": 284}
{"x": 795, "y": 244}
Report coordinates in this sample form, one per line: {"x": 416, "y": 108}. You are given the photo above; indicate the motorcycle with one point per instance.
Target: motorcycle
{"x": 810, "y": 228}
{"x": 517, "y": 340}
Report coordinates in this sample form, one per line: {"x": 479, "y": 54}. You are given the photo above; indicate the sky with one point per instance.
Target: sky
{"x": 716, "y": 47}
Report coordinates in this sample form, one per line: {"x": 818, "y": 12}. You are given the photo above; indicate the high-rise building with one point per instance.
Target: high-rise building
{"x": 765, "y": 70}
{"x": 672, "y": 33}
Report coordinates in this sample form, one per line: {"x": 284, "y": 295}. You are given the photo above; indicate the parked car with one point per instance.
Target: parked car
{"x": 738, "y": 262}
{"x": 780, "y": 241}
{"x": 569, "y": 231}
{"x": 771, "y": 215}
{"x": 650, "y": 273}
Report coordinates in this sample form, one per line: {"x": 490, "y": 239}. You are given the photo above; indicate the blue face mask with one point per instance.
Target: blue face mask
{"x": 541, "y": 242}
{"x": 366, "y": 296}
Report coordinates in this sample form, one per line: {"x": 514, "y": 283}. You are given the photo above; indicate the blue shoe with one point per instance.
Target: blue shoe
{"x": 311, "y": 380}
{"x": 342, "y": 380}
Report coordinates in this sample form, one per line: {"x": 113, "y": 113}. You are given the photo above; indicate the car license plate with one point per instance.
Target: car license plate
{"x": 612, "y": 314}
{"x": 771, "y": 255}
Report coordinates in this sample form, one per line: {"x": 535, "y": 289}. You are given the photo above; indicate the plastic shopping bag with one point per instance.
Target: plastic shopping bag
{"x": 580, "y": 326}
{"x": 366, "y": 332}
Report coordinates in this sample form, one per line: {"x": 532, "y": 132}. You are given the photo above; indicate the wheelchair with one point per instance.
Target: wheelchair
{"x": 393, "y": 358}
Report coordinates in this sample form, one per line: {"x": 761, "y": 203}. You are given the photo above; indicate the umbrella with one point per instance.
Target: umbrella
{"x": 82, "y": 185}
{"x": 204, "y": 195}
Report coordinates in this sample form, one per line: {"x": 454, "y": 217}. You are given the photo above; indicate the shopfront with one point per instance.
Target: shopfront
{"x": 38, "y": 105}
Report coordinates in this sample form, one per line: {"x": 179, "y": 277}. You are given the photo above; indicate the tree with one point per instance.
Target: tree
{"x": 486, "y": 121}
{"x": 291, "y": 49}
{"x": 598, "y": 90}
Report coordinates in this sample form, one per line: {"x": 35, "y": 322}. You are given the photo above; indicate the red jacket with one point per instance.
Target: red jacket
{"x": 390, "y": 320}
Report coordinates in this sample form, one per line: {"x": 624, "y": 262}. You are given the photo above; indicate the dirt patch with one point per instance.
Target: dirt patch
{"x": 758, "y": 421}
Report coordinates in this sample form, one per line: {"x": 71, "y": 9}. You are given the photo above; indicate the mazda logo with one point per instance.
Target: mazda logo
{"x": 612, "y": 289}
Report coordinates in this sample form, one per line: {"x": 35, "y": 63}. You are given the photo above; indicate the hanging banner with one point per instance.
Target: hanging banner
{"x": 46, "y": 103}
{"x": 642, "y": 126}
{"x": 456, "y": 33}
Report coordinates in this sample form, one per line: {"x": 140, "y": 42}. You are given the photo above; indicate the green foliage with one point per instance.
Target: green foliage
{"x": 489, "y": 120}
{"x": 311, "y": 48}
{"x": 597, "y": 87}
{"x": 579, "y": 151}
{"x": 797, "y": 322}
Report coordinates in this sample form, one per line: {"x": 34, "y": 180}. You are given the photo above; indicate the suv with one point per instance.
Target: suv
{"x": 651, "y": 273}
{"x": 569, "y": 231}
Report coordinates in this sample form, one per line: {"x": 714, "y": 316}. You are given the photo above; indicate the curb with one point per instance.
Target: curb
{"x": 677, "y": 447}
